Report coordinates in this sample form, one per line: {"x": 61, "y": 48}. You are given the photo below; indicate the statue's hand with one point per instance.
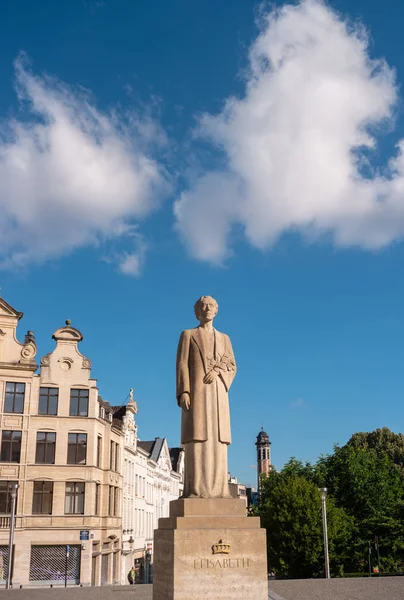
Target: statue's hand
{"x": 185, "y": 401}
{"x": 210, "y": 376}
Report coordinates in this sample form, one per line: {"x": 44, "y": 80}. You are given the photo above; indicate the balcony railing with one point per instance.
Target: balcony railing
{"x": 5, "y": 522}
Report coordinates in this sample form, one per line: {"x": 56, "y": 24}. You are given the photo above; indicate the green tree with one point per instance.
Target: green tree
{"x": 383, "y": 441}
{"x": 365, "y": 481}
{"x": 369, "y": 485}
{"x": 290, "y": 510}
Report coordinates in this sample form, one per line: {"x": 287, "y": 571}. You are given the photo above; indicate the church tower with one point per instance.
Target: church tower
{"x": 263, "y": 454}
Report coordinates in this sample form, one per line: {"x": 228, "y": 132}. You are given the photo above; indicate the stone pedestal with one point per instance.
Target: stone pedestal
{"x": 208, "y": 549}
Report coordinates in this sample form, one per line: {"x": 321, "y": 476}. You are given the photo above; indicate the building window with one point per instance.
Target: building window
{"x": 112, "y": 456}
{"x": 101, "y": 413}
{"x": 74, "y": 500}
{"x": 14, "y": 399}
{"x": 116, "y": 502}
{"x": 48, "y": 401}
{"x": 42, "y": 498}
{"x": 111, "y": 501}
{"x": 97, "y": 498}
{"x": 10, "y": 446}
{"x": 77, "y": 449}
{"x": 99, "y": 451}
{"x": 78, "y": 403}
{"x": 45, "y": 447}
{"x": 116, "y": 458}
{"x": 5, "y": 496}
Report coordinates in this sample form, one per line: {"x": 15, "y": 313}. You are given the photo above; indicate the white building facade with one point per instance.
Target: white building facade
{"x": 152, "y": 477}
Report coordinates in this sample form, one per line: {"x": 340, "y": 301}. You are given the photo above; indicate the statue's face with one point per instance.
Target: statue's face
{"x": 207, "y": 309}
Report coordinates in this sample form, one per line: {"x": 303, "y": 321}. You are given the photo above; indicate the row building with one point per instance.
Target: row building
{"x": 89, "y": 492}
{"x": 152, "y": 477}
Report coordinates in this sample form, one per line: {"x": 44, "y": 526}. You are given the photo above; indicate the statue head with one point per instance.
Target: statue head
{"x": 206, "y": 308}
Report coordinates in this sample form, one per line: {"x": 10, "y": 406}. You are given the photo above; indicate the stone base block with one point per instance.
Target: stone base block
{"x": 212, "y": 507}
{"x": 209, "y": 556}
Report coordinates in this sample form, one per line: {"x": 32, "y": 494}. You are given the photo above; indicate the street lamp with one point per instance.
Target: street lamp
{"x": 13, "y": 493}
{"x": 324, "y": 511}
{"x": 147, "y": 559}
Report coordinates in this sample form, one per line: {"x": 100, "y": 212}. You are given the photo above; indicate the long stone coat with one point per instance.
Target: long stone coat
{"x": 192, "y": 365}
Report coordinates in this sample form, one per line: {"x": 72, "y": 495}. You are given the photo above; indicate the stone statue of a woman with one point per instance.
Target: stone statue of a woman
{"x": 205, "y": 370}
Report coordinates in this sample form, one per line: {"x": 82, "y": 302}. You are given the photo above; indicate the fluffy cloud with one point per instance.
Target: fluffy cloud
{"x": 70, "y": 175}
{"x": 131, "y": 263}
{"x": 298, "y": 145}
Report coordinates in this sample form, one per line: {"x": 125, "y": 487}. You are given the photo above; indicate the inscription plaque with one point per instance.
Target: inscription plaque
{"x": 222, "y": 563}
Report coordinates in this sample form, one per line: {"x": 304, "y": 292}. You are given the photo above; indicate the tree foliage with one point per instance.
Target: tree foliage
{"x": 365, "y": 481}
{"x": 383, "y": 441}
{"x": 291, "y": 513}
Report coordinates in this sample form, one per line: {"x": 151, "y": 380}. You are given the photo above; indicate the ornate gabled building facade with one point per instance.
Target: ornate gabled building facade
{"x": 63, "y": 447}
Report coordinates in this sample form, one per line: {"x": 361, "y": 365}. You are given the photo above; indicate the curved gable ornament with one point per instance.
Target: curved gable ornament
{"x": 45, "y": 360}
{"x": 86, "y": 364}
{"x": 65, "y": 363}
{"x": 28, "y": 352}
{"x": 67, "y": 334}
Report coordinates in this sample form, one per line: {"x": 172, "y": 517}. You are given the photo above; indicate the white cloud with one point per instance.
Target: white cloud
{"x": 71, "y": 175}
{"x": 298, "y": 403}
{"x": 298, "y": 143}
{"x": 131, "y": 263}
{"x": 127, "y": 250}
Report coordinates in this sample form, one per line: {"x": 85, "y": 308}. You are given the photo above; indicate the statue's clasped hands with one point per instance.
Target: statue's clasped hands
{"x": 210, "y": 376}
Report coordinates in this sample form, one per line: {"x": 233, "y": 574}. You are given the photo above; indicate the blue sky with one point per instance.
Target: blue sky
{"x": 152, "y": 152}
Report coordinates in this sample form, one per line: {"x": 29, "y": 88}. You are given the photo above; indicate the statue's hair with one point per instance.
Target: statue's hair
{"x": 199, "y": 302}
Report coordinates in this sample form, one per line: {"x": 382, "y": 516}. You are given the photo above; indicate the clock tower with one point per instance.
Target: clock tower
{"x": 263, "y": 455}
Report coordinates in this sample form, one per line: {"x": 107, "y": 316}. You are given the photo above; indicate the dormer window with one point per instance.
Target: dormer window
{"x": 110, "y": 417}
{"x": 78, "y": 403}
{"x": 102, "y": 412}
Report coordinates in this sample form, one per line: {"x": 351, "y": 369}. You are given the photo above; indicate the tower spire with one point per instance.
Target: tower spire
{"x": 263, "y": 455}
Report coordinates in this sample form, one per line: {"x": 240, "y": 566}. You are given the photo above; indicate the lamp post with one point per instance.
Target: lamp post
{"x": 13, "y": 493}
{"x": 325, "y": 533}
{"x": 147, "y": 563}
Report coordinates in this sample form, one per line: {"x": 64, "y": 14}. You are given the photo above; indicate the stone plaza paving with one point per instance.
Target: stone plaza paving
{"x": 364, "y": 588}
{"x": 383, "y": 588}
